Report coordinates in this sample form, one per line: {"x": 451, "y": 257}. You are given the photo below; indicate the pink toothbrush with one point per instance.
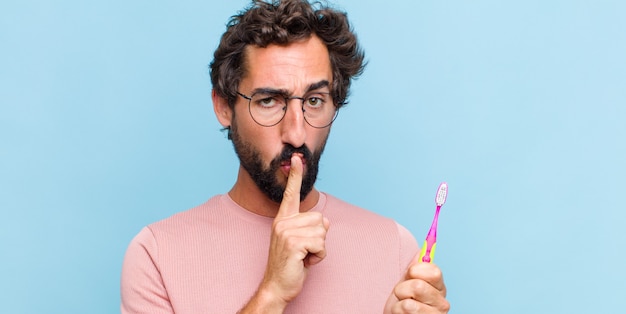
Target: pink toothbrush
{"x": 428, "y": 250}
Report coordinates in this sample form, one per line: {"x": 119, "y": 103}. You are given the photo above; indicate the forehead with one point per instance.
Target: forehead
{"x": 291, "y": 67}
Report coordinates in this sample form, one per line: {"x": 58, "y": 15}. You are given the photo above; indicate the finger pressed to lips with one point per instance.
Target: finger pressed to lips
{"x": 286, "y": 164}
{"x": 291, "y": 197}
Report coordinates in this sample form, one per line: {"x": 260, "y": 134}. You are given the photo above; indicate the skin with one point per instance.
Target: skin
{"x": 421, "y": 291}
{"x": 293, "y": 68}
{"x": 298, "y": 236}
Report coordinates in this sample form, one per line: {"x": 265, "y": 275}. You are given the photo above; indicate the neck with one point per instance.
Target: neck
{"x": 248, "y": 195}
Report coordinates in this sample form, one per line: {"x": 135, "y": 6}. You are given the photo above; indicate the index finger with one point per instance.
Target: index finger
{"x": 290, "y": 206}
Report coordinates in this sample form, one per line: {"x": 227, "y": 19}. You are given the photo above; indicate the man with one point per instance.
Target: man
{"x": 275, "y": 244}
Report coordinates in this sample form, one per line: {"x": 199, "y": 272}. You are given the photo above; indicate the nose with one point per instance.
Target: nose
{"x": 293, "y": 126}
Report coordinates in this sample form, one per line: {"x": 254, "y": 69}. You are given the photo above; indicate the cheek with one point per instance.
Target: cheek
{"x": 269, "y": 146}
{"x": 265, "y": 141}
{"x": 318, "y": 139}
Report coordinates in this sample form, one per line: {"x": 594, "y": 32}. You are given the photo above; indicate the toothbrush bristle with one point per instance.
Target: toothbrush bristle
{"x": 442, "y": 193}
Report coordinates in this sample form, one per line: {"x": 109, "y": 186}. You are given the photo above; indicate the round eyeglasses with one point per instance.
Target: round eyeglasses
{"x": 269, "y": 108}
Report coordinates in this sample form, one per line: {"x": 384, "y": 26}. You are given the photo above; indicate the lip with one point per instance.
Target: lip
{"x": 285, "y": 166}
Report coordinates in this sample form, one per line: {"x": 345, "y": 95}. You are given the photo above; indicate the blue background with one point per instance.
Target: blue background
{"x": 106, "y": 125}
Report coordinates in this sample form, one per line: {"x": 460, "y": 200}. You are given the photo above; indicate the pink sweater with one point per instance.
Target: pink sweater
{"x": 210, "y": 259}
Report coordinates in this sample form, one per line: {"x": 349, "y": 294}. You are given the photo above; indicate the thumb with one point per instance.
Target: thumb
{"x": 290, "y": 206}
{"x": 417, "y": 259}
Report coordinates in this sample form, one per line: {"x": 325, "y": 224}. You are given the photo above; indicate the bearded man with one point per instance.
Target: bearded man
{"x": 274, "y": 243}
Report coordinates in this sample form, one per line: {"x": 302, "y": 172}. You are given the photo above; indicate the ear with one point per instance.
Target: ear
{"x": 223, "y": 112}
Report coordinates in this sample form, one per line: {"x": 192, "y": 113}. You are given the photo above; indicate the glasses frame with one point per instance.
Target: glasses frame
{"x": 287, "y": 99}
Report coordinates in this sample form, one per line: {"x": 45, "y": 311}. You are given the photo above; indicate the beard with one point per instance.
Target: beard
{"x": 266, "y": 178}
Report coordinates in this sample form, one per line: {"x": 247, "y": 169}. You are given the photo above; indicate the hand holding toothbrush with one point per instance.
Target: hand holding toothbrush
{"x": 423, "y": 289}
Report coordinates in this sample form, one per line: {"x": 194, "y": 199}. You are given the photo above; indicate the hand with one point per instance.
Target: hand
{"x": 422, "y": 291}
{"x": 297, "y": 242}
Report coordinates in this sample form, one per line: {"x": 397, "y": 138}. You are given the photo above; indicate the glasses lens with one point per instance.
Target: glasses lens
{"x": 319, "y": 110}
{"x": 267, "y": 109}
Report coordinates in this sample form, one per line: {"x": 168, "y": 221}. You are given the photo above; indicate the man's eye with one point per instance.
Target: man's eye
{"x": 314, "y": 101}
{"x": 266, "y": 101}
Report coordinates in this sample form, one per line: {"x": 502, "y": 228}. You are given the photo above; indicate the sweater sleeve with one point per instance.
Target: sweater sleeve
{"x": 142, "y": 288}
{"x": 408, "y": 248}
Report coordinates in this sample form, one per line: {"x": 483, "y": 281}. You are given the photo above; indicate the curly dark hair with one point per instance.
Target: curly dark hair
{"x": 283, "y": 22}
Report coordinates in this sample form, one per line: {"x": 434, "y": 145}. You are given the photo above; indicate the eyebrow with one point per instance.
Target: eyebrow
{"x": 281, "y": 91}
{"x": 318, "y": 85}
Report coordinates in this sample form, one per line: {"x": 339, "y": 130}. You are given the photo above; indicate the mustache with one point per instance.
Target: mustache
{"x": 288, "y": 150}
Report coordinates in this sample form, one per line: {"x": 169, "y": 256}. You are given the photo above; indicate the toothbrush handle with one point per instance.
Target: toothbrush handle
{"x": 427, "y": 254}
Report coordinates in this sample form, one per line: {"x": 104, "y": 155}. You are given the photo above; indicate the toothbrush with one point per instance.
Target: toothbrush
{"x": 428, "y": 250}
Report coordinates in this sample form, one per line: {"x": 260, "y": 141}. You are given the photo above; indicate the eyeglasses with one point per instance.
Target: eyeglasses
{"x": 269, "y": 108}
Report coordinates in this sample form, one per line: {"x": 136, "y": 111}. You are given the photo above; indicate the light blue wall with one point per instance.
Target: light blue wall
{"x": 106, "y": 125}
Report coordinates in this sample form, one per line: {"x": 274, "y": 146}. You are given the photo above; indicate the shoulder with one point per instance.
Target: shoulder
{"x": 188, "y": 217}
{"x": 182, "y": 226}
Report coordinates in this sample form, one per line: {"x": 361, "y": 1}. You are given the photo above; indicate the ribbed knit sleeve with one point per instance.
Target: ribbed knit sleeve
{"x": 142, "y": 288}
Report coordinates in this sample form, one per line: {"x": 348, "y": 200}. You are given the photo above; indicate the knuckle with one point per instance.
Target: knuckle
{"x": 291, "y": 243}
{"x": 289, "y": 193}
{"x": 321, "y": 254}
{"x": 415, "y": 270}
{"x": 418, "y": 286}
{"x": 409, "y": 305}
{"x": 279, "y": 226}
{"x": 320, "y": 233}
{"x": 436, "y": 273}
{"x": 445, "y": 306}
{"x": 316, "y": 246}
{"x": 320, "y": 243}
{"x": 314, "y": 217}
{"x": 397, "y": 291}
